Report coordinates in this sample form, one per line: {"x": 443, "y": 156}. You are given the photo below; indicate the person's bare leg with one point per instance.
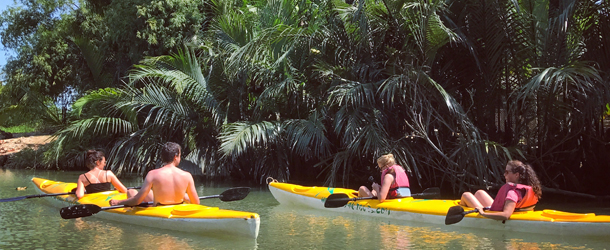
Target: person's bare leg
{"x": 364, "y": 192}
{"x": 469, "y": 200}
{"x": 149, "y": 197}
{"x": 484, "y": 198}
{"x": 133, "y": 192}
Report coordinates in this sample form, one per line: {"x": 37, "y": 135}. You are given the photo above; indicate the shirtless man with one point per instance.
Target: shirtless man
{"x": 168, "y": 183}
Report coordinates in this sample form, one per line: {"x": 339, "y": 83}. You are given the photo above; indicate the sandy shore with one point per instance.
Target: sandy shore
{"x": 14, "y": 145}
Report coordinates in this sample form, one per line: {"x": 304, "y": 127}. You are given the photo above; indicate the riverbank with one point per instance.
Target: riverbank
{"x": 11, "y": 146}
{"x": 23, "y": 141}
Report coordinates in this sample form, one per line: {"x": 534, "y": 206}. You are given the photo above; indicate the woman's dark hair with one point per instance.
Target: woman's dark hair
{"x": 92, "y": 156}
{"x": 169, "y": 151}
{"x": 527, "y": 176}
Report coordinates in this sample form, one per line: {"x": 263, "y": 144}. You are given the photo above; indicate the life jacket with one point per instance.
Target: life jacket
{"x": 525, "y": 194}
{"x": 400, "y": 180}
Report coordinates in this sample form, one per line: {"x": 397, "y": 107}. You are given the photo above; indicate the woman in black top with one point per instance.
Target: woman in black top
{"x": 97, "y": 179}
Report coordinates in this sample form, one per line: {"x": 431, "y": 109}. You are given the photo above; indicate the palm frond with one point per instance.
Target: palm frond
{"x": 307, "y": 138}
{"x": 237, "y": 138}
{"x": 182, "y": 72}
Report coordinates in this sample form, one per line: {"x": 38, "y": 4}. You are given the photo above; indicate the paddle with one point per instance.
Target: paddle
{"x": 84, "y": 210}
{"x": 428, "y": 193}
{"x": 339, "y": 200}
{"x": 44, "y": 195}
{"x": 456, "y": 214}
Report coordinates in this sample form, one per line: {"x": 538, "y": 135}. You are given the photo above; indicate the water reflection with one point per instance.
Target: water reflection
{"x": 315, "y": 229}
{"x": 108, "y": 236}
{"x": 392, "y": 237}
{"x": 424, "y": 237}
{"x": 6, "y": 175}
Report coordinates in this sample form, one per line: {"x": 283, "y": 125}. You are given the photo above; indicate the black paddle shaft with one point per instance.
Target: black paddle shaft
{"x": 340, "y": 200}
{"x": 84, "y": 210}
{"x": 31, "y": 196}
{"x": 45, "y": 195}
{"x": 428, "y": 193}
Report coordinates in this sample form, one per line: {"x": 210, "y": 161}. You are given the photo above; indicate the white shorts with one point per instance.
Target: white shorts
{"x": 403, "y": 192}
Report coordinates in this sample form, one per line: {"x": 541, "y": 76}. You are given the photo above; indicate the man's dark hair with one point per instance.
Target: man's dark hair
{"x": 169, "y": 150}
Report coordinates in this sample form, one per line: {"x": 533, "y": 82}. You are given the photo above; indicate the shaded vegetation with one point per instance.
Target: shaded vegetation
{"x": 315, "y": 91}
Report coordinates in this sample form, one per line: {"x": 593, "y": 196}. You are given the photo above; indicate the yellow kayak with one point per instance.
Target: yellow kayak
{"x": 435, "y": 211}
{"x": 183, "y": 217}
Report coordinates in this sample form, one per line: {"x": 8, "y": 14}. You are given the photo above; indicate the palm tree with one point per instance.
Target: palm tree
{"x": 527, "y": 80}
{"x": 167, "y": 99}
{"x": 567, "y": 95}
{"x": 319, "y": 89}
{"x": 360, "y": 98}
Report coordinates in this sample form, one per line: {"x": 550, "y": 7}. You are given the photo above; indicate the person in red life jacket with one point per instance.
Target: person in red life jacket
{"x": 394, "y": 181}
{"x": 521, "y": 191}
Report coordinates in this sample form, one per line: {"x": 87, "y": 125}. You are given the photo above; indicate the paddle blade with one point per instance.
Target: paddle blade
{"x": 235, "y": 194}
{"x": 78, "y": 211}
{"x": 336, "y": 200}
{"x": 454, "y": 215}
{"x": 32, "y": 196}
{"x": 428, "y": 193}
{"x": 14, "y": 199}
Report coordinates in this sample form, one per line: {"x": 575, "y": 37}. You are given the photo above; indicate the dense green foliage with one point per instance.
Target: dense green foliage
{"x": 23, "y": 128}
{"x": 314, "y": 90}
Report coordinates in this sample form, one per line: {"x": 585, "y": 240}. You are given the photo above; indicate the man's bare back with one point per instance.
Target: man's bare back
{"x": 168, "y": 183}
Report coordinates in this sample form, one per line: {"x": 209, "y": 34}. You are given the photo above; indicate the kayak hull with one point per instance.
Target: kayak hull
{"x": 190, "y": 218}
{"x": 434, "y": 212}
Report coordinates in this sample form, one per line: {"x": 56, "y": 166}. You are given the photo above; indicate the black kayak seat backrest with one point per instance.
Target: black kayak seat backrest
{"x": 523, "y": 209}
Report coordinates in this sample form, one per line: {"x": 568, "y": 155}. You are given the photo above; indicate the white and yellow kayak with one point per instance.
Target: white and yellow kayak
{"x": 435, "y": 211}
{"x": 183, "y": 217}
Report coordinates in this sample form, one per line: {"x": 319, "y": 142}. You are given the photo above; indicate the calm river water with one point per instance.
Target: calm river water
{"x": 34, "y": 224}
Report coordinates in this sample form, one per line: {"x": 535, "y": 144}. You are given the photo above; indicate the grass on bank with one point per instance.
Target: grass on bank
{"x": 22, "y": 128}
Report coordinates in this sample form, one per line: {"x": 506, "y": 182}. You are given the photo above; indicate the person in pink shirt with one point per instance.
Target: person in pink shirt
{"x": 394, "y": 181}
{"x": 521, "y": 191}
